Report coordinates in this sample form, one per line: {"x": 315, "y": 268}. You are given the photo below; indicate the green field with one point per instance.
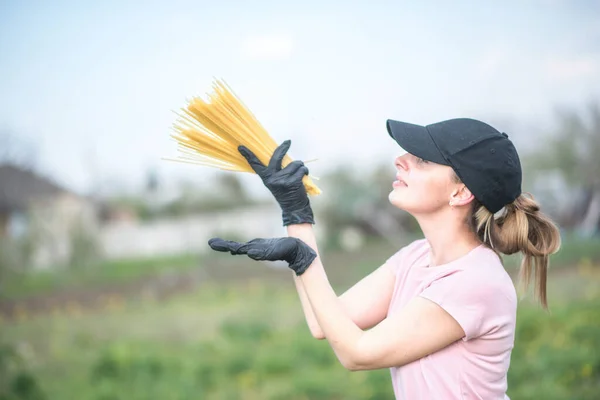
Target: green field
{"x": 238, "y": 333}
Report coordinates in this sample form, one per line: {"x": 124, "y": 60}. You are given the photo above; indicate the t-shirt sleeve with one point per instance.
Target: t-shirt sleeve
{"x": 465, "y": 296}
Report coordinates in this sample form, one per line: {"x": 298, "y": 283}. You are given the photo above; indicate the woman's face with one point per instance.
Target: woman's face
{"x": 421, "y": 187}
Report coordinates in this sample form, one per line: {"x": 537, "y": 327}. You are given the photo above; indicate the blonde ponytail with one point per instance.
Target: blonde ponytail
{"x": 520, "y": 227}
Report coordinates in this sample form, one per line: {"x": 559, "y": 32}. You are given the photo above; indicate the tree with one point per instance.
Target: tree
{"x": 572, "y": 152}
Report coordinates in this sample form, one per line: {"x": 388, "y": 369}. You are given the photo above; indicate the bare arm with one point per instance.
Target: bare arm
{"x": 421, "y": 328}
{"x": 366, "y": 302}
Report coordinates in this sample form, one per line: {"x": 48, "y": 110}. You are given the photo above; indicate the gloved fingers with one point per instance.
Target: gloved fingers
{"x": 254, "y": 162}
{"x": 299, "y": 174}
{"x": 235, "y": 248}
{"x": 278, "y": 155}
{"x": 293, "y": 167}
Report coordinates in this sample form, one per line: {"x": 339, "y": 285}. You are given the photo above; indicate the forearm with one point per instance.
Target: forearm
{"x": 338, "y": 328}
{"x": 305, "y": 233}
{"x": 311, "y": 320}
{"x": 324, "y": 306}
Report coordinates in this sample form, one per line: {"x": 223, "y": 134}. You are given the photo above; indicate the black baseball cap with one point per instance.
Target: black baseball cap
{"x": 484, "y": 159}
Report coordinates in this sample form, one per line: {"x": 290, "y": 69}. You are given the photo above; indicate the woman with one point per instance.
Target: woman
{"x": 441, "y": 312}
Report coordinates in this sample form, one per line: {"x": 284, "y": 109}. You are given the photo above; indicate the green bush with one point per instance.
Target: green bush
{"x": 246, "y": 361}
{"x": 557, "y": 356}
{"x": 16, "y": 380}
{"x": 255, "y": 355}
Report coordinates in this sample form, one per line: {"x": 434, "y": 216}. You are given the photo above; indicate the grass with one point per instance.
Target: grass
{"x": 166, "y": 329}
{"x": 241, "y": 335}
{"x": 248, "y": 340}
{"x": 574, "y": 251}
{"x": 104, "y": 273}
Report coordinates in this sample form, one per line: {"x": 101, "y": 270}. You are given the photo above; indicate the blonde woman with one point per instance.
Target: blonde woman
{"x": 441, "y": 312}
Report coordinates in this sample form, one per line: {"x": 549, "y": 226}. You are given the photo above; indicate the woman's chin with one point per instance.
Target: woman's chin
{"x": 395, "y": 199}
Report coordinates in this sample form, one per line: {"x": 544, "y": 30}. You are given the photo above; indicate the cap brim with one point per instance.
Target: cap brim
{"x": 416, "y": 140}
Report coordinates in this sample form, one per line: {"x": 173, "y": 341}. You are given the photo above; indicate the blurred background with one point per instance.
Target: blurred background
{"x": 107, "y": 287}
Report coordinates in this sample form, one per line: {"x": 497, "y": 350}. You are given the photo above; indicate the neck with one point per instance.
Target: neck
{"x": 448, "y": 236}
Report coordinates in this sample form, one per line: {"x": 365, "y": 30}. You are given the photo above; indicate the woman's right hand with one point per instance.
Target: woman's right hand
{"x": 284, "y": 183}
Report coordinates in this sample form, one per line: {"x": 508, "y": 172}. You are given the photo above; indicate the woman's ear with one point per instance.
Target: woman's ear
{"x": 461, "y": 196}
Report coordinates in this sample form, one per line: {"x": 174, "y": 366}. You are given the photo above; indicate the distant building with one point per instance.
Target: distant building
{"x": 34, "y": 206}
{"x": 56, "y": 221}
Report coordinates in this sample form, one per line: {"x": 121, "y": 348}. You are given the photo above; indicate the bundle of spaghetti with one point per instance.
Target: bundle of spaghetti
{"x": 209, "y": 132}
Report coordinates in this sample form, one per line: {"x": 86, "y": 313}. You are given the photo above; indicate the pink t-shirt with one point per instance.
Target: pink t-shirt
{"x": 480, "y": 295}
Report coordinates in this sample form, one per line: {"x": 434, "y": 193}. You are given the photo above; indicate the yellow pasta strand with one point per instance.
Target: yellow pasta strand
{"x": 208, "y": 133}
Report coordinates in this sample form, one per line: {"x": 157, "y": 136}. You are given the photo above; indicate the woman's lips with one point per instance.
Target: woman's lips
{"x": 399, "y": 182}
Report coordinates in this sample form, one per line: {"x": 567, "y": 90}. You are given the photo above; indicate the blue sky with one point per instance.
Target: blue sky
{"x": 94, "y": 83}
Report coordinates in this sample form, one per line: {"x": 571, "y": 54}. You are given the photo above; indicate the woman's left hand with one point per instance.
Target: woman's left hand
{"x": 295, "y": 252}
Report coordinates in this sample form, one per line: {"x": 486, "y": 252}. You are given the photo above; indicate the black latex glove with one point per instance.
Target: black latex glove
{"x": 285, "y": 184}
{"x": 295, "y": 252}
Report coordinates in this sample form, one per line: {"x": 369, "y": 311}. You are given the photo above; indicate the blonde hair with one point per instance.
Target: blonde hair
{"x": 519, "y": 227}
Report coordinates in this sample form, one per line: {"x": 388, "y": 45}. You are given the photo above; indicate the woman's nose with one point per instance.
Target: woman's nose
{"x": 401, "y": 162}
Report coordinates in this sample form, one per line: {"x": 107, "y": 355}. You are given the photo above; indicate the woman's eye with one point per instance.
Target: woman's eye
{"x": 421, "y": 161}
